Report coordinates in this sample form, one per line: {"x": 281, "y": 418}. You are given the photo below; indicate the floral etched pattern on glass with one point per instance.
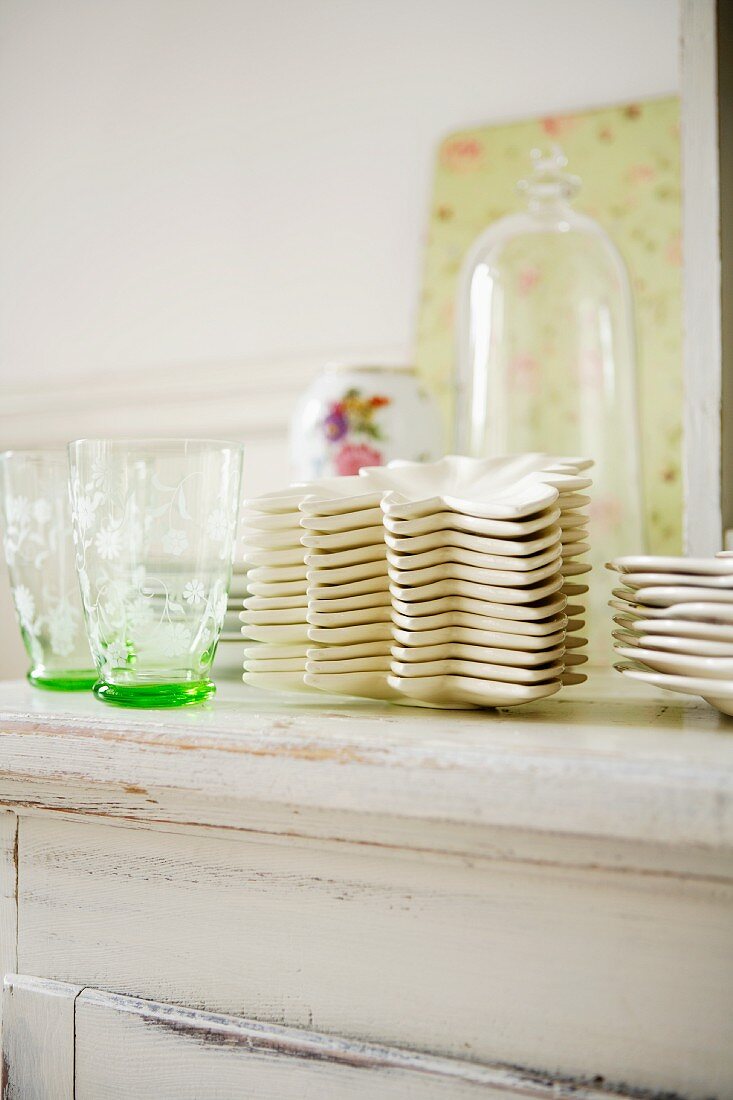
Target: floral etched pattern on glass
{"x": 40, "y": 555}
{"x": 155, "y": 529}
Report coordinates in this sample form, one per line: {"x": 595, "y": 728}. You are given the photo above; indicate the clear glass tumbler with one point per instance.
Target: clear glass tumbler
{"x": 155, "y": 529}
{"x": 40, "y": 556}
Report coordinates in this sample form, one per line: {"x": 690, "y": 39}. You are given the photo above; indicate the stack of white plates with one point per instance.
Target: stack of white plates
{"x": 479, "y": 580}
{"x": 230, "y": 651}
{"x": 675, "y": 624}
{"x": 275, "y": 610}
{"x": 442, "y": 584}
{"x": 349, "y": 612}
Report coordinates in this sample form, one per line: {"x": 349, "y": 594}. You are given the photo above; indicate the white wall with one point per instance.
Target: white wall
{"x": 188, "y": 183}
{"x": 196, "y": 180}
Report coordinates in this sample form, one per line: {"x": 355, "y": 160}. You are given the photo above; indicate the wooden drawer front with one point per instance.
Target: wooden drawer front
{"x": 574, "y": 973}
{"x": 63, "y": 1042}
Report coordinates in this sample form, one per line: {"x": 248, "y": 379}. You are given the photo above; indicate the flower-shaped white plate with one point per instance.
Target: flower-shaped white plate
{"x": 276, "y": 603}
{"x": 517, "y": 658}
{"x": 333, "y": 667}
{"x": 262, "y": 651}
{"x": 338, "y": 559}
{"x": 273, "y": 559}
{"x": 269, "y": 589}
{"x": 276, "y": 681}
{"x": 451, "y": 555}
{"x": 342, "y": 591}
{"x": 719, "y": 695}
{"x": 457, "y": 540}
{"x": 506, "y": 549}
{"x": 370, "y": 685}
{"x": 508, "y": 674}
{"x": 347, "y": 574}
{"x": 498, "y": 488}
{"x": 682, "y": 628}
{"x": 282, "y": 633}
{"x": 345, "y": 540}
{"x": 348, "y": 521}
{"x": 272, "y": 540}
{"x": 497, "y": 636}
{"x": 543, "y": 609}
{"x": 465, "y": 635}
{"x": 357, "y": 617}
{"x": 283, "y": 615}
{"x": 351, "y": 651}
{"x": 351, "y": 603}
{"x": 440, "y": 604}
{"x": 276, "y": 574}
{"x": 500, "y": 529}
{"x": 269, "y": 521}
{"x": 647, "y": 563}
{"x": 275, "y": 664}
{"x": 708, "y": 668}
{"x": 479, "y": 578}
{"x": 335, "y": 635}
{"x": 452, "y": 692}
{"x": 315, "y": 504}
{"x": 415, "y": 623}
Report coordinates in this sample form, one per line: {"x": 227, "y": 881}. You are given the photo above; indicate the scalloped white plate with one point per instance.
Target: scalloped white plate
{"x": 690, "y": 647}
{"x": 273, "y": 617}
{"x": 347, "y": 574}
{"x": 450, "y": 651}
{"x": 351, "y": 651}
{"x": 501, "y": 609}
{"x": 335, "y": 635}
{"x": 333, "y": 667}
{"x": 453, "y": 692}
{"x": 647, "y": 580}
{"x": 357, "y": 617}
{"x": 347, "y": 521}
{"x": 477, "y": 578}
{"x": 501, "y": 529}
{"x": 450, "y": 555}
{"x": 367, "y": 586}
{"x": 341, "y": 559}
{"x": 369, "y": 685}
{"x": 277, "y": 589}
{"x": 506, "y": 674}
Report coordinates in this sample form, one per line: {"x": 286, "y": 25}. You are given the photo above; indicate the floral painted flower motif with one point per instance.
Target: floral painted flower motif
{"x": 107, "y": 543}
{"x": 25, "y": 605}
{"x": 84, "y": 511}
{"x": 354, "y": 414}
{"x": 62, "y": 628}
{"x": 116, "y": 654}
{"x": 193, "y": 592}
{"x": 218, "y": 525}
{"x": 175, "y": 542}
{"x": 176, "y": 639}
{"x": 335, "y": 426}
{"x": 462, "y": 154}
{"x": 350, "y": 458}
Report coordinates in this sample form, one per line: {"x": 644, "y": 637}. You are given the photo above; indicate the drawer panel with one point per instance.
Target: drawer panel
{"x": 572, "y": 972}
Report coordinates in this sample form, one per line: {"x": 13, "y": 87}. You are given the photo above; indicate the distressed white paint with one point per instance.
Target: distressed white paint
{"x": 531, "y": 887}
{"x": 527, "y": 965}
{"x": 609, "y": 765}
{"x": 38, "y": 1039}
{"x": 129, "y": 1047}
{"x": 8, "y": 897}
{"x": 702, "y": 306}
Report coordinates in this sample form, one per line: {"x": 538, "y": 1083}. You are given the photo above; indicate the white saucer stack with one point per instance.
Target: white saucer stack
{"x": 348, "y": 594}
{"x": 478, "y": 581}
{"x": 675, "y": 620}
{"x": 276, "y": 608}
{"x": 443, "y": 584}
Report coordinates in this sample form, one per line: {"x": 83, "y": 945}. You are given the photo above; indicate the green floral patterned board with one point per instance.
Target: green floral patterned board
{"x": 628, "y": 160}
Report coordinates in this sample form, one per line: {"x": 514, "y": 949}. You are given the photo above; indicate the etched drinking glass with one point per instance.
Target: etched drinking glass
{"x": 40, "y": 555}
{"x": 155, "y": 529}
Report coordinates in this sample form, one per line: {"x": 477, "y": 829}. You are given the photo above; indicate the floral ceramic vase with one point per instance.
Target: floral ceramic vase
{"x": 363, "y": 416}
{"x": 155, "y": 527}
{"x": 40, "y": 555}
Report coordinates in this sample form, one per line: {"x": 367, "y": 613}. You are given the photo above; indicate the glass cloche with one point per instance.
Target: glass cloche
{"x": 546, "y": 352}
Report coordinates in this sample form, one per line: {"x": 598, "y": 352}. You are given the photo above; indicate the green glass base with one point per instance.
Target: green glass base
{"x": 154, "y": 695}
{"x": 63, "y": 681}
